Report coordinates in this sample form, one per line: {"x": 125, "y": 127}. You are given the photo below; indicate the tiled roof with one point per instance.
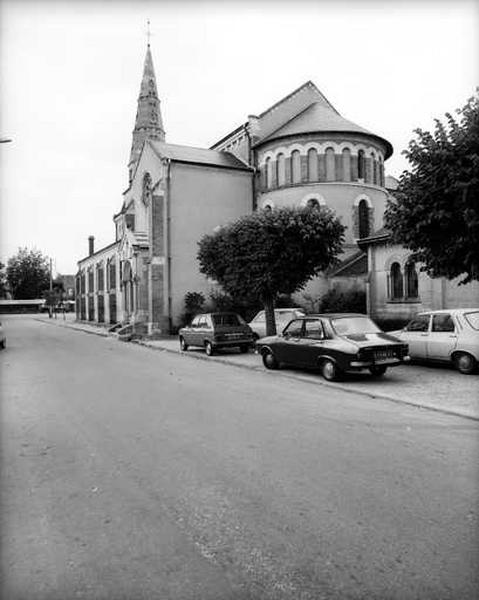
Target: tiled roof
{"x": 380, "y": 236}
{"x": 357, "y": 264}
{"x": 319, "y": 118}
{"x": 203, "y": 156}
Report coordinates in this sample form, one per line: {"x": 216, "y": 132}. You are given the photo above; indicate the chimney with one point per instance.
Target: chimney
{"x": 91, "y": 245}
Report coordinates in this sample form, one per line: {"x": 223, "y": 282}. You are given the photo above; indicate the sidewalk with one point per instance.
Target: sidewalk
{"x": 429, "y": 387}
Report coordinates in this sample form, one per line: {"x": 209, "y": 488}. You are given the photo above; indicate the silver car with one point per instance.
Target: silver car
{"x": 282, "y": 317}
{"x": 449, "y": 336}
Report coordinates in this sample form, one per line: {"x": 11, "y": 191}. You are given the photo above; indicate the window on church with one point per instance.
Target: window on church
{"x": 312, "y": 165}
{"x": 91, "y": 285}
{"x": 295, "y": 167}
{"x": 112, "y": 275}
{"x": 100, "y": 278}
{"x": 269, "y": 173}
{"x": 363, "y": 219}
{"x": 381, "y": 172}
{"x": 330, "y": 165}
{"x": 410, "y": 273}
{"x": 130, "y": 222}
{"x": 281, "y": 169}
{"x": 396, "y": 282}
{"x": 361, "y": 165}
{"x": 346, "y": 165}
{"x": 312, "y": 204}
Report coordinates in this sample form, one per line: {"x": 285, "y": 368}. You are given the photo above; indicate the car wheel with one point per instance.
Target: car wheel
{"x": 465, "y": 363}
{"x": 209, "y": 348}
{"x": 183, "y": 344}
{"x": 329, "y": 370}
{"x": 3, "y": 344}
{"x": 244, "y": 348}
{"x": 377, "y": 371}
{"x": 269, "y": 361}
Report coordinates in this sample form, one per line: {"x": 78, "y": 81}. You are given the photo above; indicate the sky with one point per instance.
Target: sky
{"x": 71, "y": 72}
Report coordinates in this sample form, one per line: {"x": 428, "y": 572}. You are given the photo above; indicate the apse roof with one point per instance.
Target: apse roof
{"x": 319, "y": 118}
{"x": 189, "y": 154}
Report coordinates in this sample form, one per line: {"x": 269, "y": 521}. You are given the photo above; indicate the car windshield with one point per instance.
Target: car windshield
{"x": 230, "y": 320}
{"x": 349, "y": 325}
{"x": 473, "y": 319}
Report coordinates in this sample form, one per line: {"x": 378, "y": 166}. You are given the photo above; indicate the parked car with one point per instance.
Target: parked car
{"x": 448, "y": 336}
{"x": 282, "y": 317}
{"x": 217, "y": 330}
{"x": 336, "y": 343}
{"x": 3, "y": 337}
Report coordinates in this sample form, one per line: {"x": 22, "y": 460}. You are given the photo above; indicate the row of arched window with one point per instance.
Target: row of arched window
{"x": 314, "y": 167}
{"x": 362, "y": 211}
{"x": 403, "y": 285}
{"x": 100, "y": 278}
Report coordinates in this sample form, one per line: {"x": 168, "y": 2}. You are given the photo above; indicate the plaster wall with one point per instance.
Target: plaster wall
{"x": 341, "y": 197}
{"x": 434, "y": 294}
{"x": 201, "y": 198}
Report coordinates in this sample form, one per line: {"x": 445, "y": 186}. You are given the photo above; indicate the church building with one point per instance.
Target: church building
{"x": 298, "y": 152}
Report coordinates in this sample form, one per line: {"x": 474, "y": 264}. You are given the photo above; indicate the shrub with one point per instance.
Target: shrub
{"x": 350, "y": 301}
{"x": 194, "y": 303}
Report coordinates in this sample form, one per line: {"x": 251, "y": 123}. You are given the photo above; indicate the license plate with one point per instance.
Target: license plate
{"x": 384, "y": 354}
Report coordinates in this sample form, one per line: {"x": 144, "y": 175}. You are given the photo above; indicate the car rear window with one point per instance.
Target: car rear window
{"x": 473, "y": 319}
{"x": 349, "y": 325}
{"x": 228, "y": 319}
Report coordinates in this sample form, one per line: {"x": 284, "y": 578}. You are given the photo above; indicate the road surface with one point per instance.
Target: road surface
{"x": 134, "y": 474}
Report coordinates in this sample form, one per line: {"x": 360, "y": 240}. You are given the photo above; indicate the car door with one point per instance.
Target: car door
{"x": 311, "y": 343}
{"x": 288, "y": 346}
{"x": 204, "y": 330}
{"x": 442, "y": 338}
{"x": 416, "y": 334}
{"x": 188, "y": 332}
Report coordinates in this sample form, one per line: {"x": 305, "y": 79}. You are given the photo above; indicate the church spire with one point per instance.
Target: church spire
{"x": 148, "y": 123}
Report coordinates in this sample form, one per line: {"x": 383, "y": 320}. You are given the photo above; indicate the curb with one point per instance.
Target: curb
{"x": 259, "y": 369}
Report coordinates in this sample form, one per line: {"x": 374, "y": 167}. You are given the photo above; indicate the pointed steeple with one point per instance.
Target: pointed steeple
{"x": 148, "y": 123}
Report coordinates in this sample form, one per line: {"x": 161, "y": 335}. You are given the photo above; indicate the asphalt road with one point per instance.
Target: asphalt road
{"x": 134, "y": 474}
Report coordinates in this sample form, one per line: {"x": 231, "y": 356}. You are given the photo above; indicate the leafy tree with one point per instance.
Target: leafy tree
{"x": 436, "y": 210}
{"x": 3, "y": 281}
{"x": 271, "y": 252}
{"x": 28, "y": 274}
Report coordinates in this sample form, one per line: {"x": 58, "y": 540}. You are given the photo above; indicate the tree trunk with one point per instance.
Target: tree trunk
{"x": 268, "y": 303}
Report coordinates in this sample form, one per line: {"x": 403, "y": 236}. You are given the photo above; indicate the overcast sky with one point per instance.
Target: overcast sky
{"x": 71, "y": 71}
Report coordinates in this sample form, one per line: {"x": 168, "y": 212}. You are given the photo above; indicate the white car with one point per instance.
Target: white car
{"x": 282, "y": 317}
{"x": 450, "y": 336}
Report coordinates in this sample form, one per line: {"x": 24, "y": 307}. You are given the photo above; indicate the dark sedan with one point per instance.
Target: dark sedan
{"x": 217, "y": 330}
{"x": 335, "y": 343}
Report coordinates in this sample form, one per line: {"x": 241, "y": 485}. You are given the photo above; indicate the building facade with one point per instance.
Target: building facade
{"x": 298, "y": 152}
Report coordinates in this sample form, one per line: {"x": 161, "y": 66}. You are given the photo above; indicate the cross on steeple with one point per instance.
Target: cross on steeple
{"x": 148, "y": 32}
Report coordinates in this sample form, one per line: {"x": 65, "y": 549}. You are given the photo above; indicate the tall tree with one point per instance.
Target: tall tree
{"x": 28, "y": 274}
{"x": 271, "y": 252}
{"x": 3, "y": 281}
{"x": 435, "y": 212}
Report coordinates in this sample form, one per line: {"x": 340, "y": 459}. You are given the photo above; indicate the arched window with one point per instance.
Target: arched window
{"x": 410, "y": 275}
{"x": 146, "y": 191}
{"x": 295, "y": 167}
{"x": 269, "y": 172}
{"x": 312, "y": 204}
{"x": 280, "y": 170}
{"x": 361, "y": 165}
{"x": 396, "y": 280}
{"x": 312, "y": 165}
{"x": 381, "y": 172}
{"x": 330, "y": 165}
{"x": 374, "y": 164}
{"x": 346, "y": 165}
{"x": 267, "y": 208}
{"x": 363, "y": 219}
